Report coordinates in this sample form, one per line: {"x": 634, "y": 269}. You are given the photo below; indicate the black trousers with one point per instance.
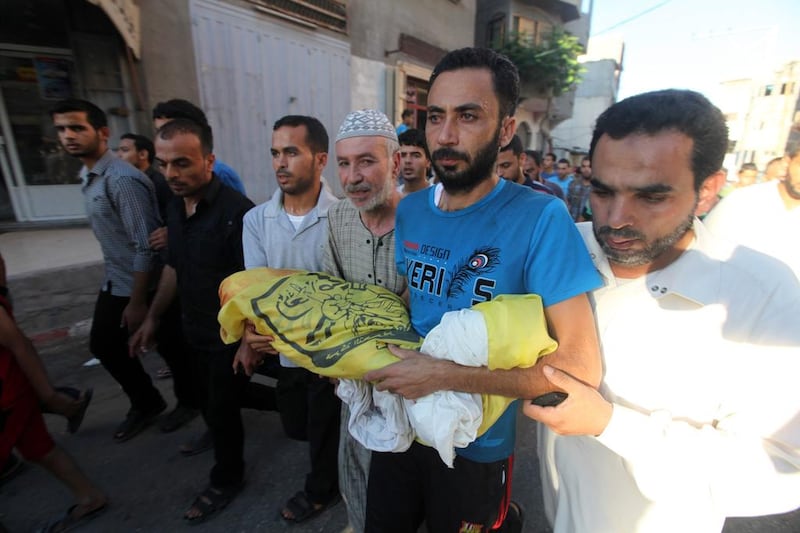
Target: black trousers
{"x": 178, "y": 355}
{"x": 109, "y": 343}
{"x": 309, "y": 410}
{"x": 410, "y": 487}
{"x": 222, "y": 394}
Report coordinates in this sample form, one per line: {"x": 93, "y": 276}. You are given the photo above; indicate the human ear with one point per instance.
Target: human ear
{"x": 507, "y": 130}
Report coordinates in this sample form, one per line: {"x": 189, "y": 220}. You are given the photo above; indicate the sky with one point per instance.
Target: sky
{"x": 696, "y": 44}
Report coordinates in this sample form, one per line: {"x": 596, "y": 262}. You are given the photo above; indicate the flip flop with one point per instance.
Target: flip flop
{"x": 303, "y": 509}
{"x": 67, "y": 522}
{"x": 74, "y": 422}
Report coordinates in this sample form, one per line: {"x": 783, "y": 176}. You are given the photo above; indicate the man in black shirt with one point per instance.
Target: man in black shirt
{"x": 205, "y": 246}
{"x": 139, "y": 151}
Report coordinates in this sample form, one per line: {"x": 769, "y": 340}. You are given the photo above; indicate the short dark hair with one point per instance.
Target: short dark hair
{"x": 515, "y": 145}
{"x": 565, "y": 161}
{"x": 684, "y": 111}
{"x": 178, "y": 108}
{"x": 586, "y": 158}
{"x": 94, "y": 115}
{"x": 779, "y": 159}
{"x": 141, "y": 143}
{"x": 414, "y": 137}
{"x": 407, "y": 113}
{"x": 536, "y": 156}
{"x": 505, "y": 76}
{"x": 748, "y": 166}
{"x": 185, "y": 125}
{"x": 552, "y": 155}
{"x": 316, "y": 135}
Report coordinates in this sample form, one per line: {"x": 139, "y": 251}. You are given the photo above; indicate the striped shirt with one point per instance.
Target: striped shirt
{"x": 355, "y": 254}
{"x": 122, "y": 210}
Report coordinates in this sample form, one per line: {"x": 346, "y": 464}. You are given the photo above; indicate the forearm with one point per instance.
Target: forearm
{"x": 167, "y": 287}
{"x": 141, "y": 284}
{"x": 525, "y": 383}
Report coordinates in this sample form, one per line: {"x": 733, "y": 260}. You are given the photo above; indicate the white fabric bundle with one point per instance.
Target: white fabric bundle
{"x": 386, "y": 422}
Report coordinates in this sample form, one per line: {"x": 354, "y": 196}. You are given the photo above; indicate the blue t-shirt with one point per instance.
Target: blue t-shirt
{"x": 563, "y": 184}
{"x": 512, "y": 241}
{"x": 548, "y": 175}
{"x": 228, "y": 176}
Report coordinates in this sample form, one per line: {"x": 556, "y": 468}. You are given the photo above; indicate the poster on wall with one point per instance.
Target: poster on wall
{"x": 52, "y": 75}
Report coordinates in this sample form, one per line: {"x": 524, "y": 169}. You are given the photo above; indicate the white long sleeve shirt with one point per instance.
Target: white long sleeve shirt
{"x": 701, "y": 363}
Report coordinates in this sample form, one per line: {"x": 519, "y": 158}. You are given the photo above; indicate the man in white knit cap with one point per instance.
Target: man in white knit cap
{"x": 361, "y": 249}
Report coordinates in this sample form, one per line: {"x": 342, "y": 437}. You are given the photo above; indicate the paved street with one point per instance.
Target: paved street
{"x": 151, "y": 484}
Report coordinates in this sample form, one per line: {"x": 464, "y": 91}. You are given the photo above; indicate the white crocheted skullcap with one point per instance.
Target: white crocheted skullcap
{"x": 366, "y": 123}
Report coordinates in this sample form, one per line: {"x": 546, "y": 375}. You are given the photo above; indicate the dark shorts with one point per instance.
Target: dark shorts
{"x": 408, "y": 488}
{"x": 24, "y": 429}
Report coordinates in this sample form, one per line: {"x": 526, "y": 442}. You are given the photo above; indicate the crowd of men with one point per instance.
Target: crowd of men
{"x": 668, "y": 404}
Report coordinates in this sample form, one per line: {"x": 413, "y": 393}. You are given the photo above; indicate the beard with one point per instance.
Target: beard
{"x": 379, "y": 199}
{"x": 481, "y": 166}
{"x": 791, "y": 188}
{"x": 651, "y": 249}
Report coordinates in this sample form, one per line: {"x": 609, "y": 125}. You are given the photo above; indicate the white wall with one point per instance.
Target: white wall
{"x": 368, "y": 83}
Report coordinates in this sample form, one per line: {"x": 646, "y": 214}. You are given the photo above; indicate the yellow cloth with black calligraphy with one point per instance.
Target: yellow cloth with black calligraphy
{"x": 340, "y": 329}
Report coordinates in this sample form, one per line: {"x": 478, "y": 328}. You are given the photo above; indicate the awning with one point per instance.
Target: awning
{"x": 125, "y": 16}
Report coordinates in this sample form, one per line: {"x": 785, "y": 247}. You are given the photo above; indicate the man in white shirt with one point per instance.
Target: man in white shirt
{"x": 765, "y": 216}
{"x": 697, "y": 415}
{"x": 291, "y": 231}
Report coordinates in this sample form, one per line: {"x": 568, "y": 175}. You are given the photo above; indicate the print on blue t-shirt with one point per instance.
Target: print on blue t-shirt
{"x": 512, "y": 241}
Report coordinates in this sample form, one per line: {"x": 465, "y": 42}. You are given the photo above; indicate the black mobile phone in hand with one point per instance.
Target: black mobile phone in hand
{"x": 551, "y": 399}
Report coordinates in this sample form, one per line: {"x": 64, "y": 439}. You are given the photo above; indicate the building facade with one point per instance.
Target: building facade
{"x": 245, "y": 62}
{"x": 760, "y": 115}
{"x": 496, "y": 20}
{"x": 49, "y": 50}
{"x": 596, "y": 92}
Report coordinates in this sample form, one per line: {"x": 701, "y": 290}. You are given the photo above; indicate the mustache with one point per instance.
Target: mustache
{"x": 624, "y": 233}
{"x": 449, "y": 153}
{"x": 357, "y": 188}
{"x": 283, "y": 174}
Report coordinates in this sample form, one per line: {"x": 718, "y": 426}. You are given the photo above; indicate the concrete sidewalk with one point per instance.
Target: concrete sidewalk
{"x": 53, "y": 276}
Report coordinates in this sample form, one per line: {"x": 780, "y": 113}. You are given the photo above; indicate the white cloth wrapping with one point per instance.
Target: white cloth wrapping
{"x": 382, "y": 421}
{"x": 378, "y": 419}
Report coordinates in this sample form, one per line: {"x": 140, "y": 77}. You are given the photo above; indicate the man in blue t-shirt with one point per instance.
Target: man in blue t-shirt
{"x": 563, "y": 177}
{"x": 473, "y": 238}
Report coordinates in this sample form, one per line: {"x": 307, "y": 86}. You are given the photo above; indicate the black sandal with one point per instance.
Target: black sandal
{"x": 211, "y": 502}
{"x": 303, "y": 509}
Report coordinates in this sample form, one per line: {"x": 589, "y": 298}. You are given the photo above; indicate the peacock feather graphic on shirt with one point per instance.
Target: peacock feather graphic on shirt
{"x": 482, "y": 261}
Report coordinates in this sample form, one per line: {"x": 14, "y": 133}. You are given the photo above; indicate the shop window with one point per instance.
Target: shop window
{"x": 30, "y": 86}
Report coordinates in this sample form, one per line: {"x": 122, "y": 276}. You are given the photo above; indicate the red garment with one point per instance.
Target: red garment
{"x": 21, "y": 422}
